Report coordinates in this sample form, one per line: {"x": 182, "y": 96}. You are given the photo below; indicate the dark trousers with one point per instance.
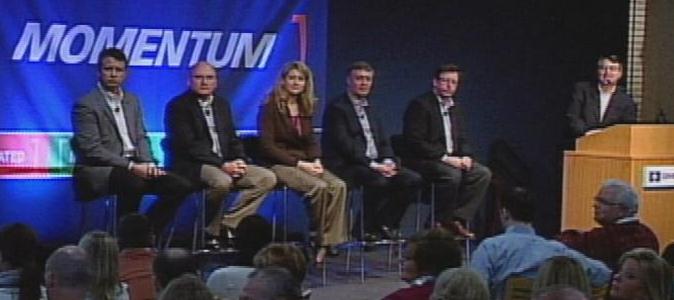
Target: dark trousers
{"x": 385, "y": 198}
{"x": 459, "y": 193}
{"x": 130, "y": 188}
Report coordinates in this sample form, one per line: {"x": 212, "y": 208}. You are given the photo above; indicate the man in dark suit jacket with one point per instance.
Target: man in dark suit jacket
{"x": 438, "y": 149}
{"x": 356, "y": 148}
{"x": 595, "y": 106}
{"x": 203, "y": 147}
{"x": 112, "y": 151}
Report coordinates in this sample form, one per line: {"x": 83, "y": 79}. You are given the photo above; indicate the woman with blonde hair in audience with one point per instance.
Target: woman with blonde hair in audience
{"x": 562, "y": 270}
{"x": 103, "y": 253}
{"x": 643, "y": 275}
{"x": 288, "y": 145}
{"x": 460, "y": 283}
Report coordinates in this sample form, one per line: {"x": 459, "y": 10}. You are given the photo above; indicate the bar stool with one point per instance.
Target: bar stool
{"x": 110, "y": 214}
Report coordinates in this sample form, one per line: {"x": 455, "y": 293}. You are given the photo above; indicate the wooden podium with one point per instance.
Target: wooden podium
{"x": 619, "y": 152}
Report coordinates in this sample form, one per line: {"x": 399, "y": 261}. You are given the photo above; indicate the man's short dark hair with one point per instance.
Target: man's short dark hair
{"x": 519, "y": 203}
{"x": 612, "y": 58}
{"x": 114, "y": 53}
{"x": 359, "y": 65}
{"x": 435, "y": 251}
{"x": 171, "y": 263}
{"x": 452, "y": 68}
{"x": 135, "y": 231}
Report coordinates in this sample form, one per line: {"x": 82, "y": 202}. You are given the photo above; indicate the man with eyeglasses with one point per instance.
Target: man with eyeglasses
{"x": 203, "y": 146}
{"x": 601, "y": 104}
{"x": 616, "y": 209}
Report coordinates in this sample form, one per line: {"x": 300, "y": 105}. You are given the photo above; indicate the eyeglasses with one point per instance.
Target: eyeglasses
{"x": 612, "y": 68}
{"x": 604, "y": 201}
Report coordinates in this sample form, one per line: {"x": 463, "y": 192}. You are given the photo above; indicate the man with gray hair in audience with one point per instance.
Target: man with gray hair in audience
{"x": 271, "y": 283}
{"x": 68, "y": 274}
{"x": 616, "y": 208}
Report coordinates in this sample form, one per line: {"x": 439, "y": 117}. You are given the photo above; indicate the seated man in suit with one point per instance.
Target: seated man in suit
{"x": 357, "y": 149}
{"x": 203, "y": 146}
{"x": 601, "y": 104}
{"x": 616, "y": 209}
{"x": 439, "y": 150}
{"x": 112, "y": 150}
{"x": 519, "y": 251}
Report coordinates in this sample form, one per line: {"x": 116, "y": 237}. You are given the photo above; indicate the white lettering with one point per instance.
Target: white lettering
{"x": 12, "y": 157}
{"x": 144, "y": 46}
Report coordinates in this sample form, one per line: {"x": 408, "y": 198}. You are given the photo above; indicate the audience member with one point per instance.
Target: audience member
{"x": 187, "y": 287}
{"x": 271, "y": 283}
{"x": 68, "y": 274}
{"x": 252, "y": 234}
{"x": 287, "y": 143}
{"x": 170, "y": 264}
{"x": 616, "y": 209}
{"x": 287, "y": 256}
{"x": 559, "y": 292}
{"x": 426, "y": 256}
{"x": 562, "y": 270}
{"x": 460, "y": 283}
{"x": 668, "y": 254}
{"x": 519, "y": 251}
{"x": 19, "y": 272}
{"x": 137, "y": 255}
{"x": 643, "y": 275}
{"x": 103, "y": 253}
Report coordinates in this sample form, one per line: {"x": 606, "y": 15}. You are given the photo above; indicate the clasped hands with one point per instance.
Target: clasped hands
{"x": 147, "y": 170}
{"x": 235, "y": 168}
{"x": 314, "y": 168}
{"x": 459, "y": 162}
{"x": 387, "y": 168}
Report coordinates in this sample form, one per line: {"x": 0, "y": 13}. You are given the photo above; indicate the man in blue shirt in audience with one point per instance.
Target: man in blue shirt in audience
{"x": 520, "y": 252}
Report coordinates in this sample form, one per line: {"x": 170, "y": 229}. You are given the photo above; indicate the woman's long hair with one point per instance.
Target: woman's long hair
{"x": 103, "y": 253}
{"x": 306, "y": 100}
{"x": 18, "y": 248}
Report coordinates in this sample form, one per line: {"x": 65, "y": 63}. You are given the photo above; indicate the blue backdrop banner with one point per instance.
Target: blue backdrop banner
{"x": 48, "y": 52}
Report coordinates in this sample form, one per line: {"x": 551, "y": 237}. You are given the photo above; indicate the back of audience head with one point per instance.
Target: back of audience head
{"x": 559, "y": 292}
{"x": 562, "y": 270}
{"x": 642, "y": 275}
{"x": 460, "y": 283}
{"x": 104, "y": 256}
{"x": 68, "y": 269}
{"x": 186, "y": 287}
{"x": 18, "y": 247}
{"x": 134, "y": 231}
{"x": 429, "y": 253}
{"x": 668, "y": 254}
{"x": 171, "y": 263}
{"x": 252, "y": 234}
{"x": 271, "y": 283}
{"x": 287, "y": 256}
{"x": 518, "y": 205}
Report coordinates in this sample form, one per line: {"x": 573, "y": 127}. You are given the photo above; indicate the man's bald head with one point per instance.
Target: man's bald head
{"x": 203, "y": 79}
{"x": 68, "y": 267}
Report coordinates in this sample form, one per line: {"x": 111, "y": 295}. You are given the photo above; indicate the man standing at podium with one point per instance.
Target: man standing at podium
{"x": 595, "y": 106}
{"x": 616, "y": 209}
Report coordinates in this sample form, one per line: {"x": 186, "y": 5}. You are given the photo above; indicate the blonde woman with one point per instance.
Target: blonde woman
{"x": 103, "y": 254}
{"x": 643, "y": 275}
{"x": 288, "y": 145}
{"x": 565, "y": 270}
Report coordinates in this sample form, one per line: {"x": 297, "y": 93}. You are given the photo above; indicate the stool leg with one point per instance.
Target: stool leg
{"x": 432, "y": 204}
{"x": 285, "y": 213}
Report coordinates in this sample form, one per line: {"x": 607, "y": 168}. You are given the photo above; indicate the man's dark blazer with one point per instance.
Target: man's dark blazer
{"x": 189, "y": 141}
{"x": 98, "y": 145}
{"x": 343, "y": 140}
{"x": 424, "y": 132}
{"x": 583, "y": 113}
